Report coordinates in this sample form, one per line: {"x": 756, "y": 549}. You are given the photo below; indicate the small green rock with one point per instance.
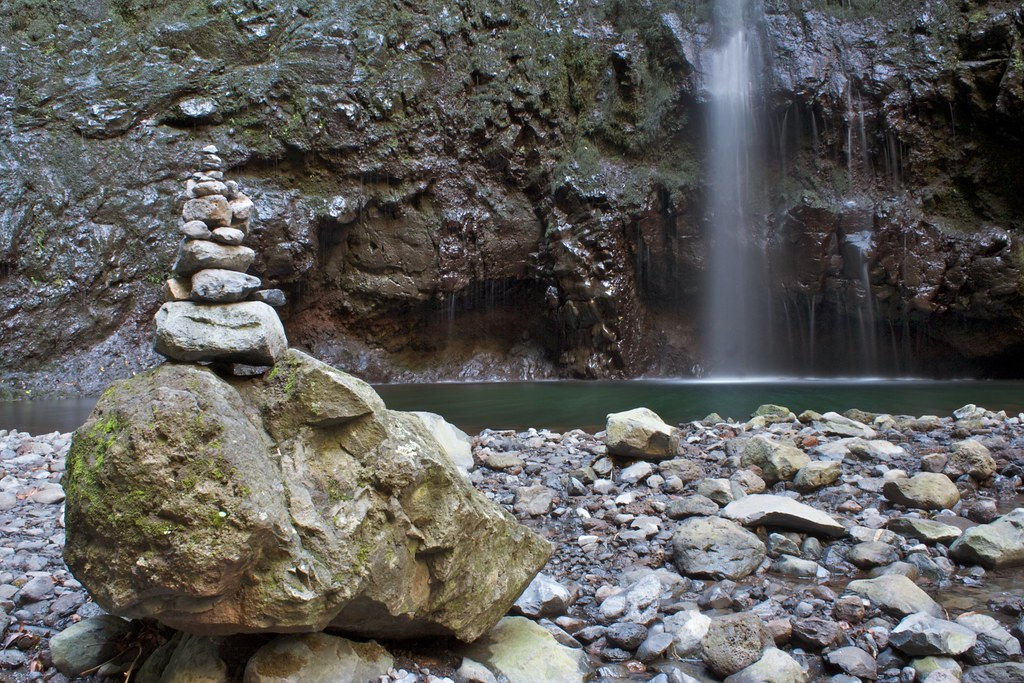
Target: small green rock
{"x": 88, "y": 643}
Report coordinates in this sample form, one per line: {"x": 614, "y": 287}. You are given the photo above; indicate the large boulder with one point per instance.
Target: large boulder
{"x": 287, "y": 503}
{"x": 640, "y": 433}
{"x": 997, "y": 544}
{"x": 711, "y": 546}
{"x": 779, "y": 461}
{"x": 244, "y": 332}
{"x": 927, "y": 490}
{"x": 784, "y": 513}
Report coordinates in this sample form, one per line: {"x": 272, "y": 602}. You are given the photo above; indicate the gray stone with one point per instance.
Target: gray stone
{"x": 784, "y": 513}
{"x": 925, "y": 666}
{"x": 35, "y": 589}
{"x": 654, "y": 646}
{"x": 817, "y": 474}
{"x": 244, "y": 332}
{"x": 686, "y": 470}
{"x": 88, "y": 643}
{"x": 875, "y": 449}
{"x": 1007, "y": 672}
{"x": 317, "y": 657}
{"x": 734, "y": 642}
{"x": 970, "y": 457}
{"x": 544, "y": 597}
{"x": 924, "y": 530}
{"x": 695, "y": 505}
{"x": 927, "y": 490}
{"x": 711, "y": 546}
{"x": 778, "y": 461}
{"x": 922, "y": 634}
{"x": 872, "y": 554}
{"x": 194, "y": 255}
{"x": 994, "y": 545}
{"x": 272, "y": 297}
{"x": 232, "y": 236}
{"x": 795, "y": 567}
{"x": 896, "y": 595}
{"x": 524, "y": 652}
{"x": 241, "y": 208}
{"x": 195, "y": 230}
{"x": 748, "y": 481}
{"x": 839, "y": 425}
{"x": 774, "y": 666}
{"x": 534, "y": 500}
{"x": 815, "y": 632}
{"x": 720, "y": 491}
{"x": 197, "y": 107}
{"x": 209, "y": 187}
{"x": 48, "y": 495}
{"x": 216, "y": 285}
{"x": 995, "y": 643}
{"x": 688, "y": 629}
{"x": 638, "y": 604}
{"x": 854, "y": 661}
{"x": 626, "y": 634}
{"x": 195, "y": 659}
{"x": 471, "y": 671}
{"x": 212, "y": 210}
{"x": 640, "y": 433}
{"x": 636, "y": 472}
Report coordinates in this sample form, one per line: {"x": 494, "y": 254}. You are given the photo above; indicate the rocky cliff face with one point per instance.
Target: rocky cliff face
{"x": 471, "y": 189}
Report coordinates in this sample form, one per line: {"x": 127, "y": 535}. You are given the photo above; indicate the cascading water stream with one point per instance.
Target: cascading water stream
{"x": 735, "y": 303}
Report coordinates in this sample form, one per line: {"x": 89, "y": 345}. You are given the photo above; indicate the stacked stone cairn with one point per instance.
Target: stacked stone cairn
{"x": 215, "y": 311}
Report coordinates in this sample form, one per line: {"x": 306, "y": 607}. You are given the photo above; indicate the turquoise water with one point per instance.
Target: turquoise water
{"x": 568, "y": 404}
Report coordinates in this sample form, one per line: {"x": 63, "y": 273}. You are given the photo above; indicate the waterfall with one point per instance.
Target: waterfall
{"x": 736, "y": 302}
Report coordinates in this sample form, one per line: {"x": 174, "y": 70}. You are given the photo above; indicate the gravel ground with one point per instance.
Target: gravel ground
{"x": 613, "y": 523}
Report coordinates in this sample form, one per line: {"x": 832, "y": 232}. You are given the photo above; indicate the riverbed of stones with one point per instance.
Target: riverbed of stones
{"x": 784, "y": 548}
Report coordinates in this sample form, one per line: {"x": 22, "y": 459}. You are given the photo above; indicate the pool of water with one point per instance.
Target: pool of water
{"x": 565, "y": 405}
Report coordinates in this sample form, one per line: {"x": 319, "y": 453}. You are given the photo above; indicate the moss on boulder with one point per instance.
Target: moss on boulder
{"x": 287, "y": 503}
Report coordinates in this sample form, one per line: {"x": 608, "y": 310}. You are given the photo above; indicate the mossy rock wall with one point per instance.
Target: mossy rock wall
{"x": 533, "y": 171}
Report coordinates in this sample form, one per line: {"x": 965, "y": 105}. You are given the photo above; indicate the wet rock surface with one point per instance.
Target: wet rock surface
{"x": 547, "y": 196}
{"x": 613, "y": 595}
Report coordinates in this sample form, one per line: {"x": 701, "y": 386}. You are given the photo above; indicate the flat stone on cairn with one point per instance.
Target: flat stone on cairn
{"x": 215, "y": 311}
